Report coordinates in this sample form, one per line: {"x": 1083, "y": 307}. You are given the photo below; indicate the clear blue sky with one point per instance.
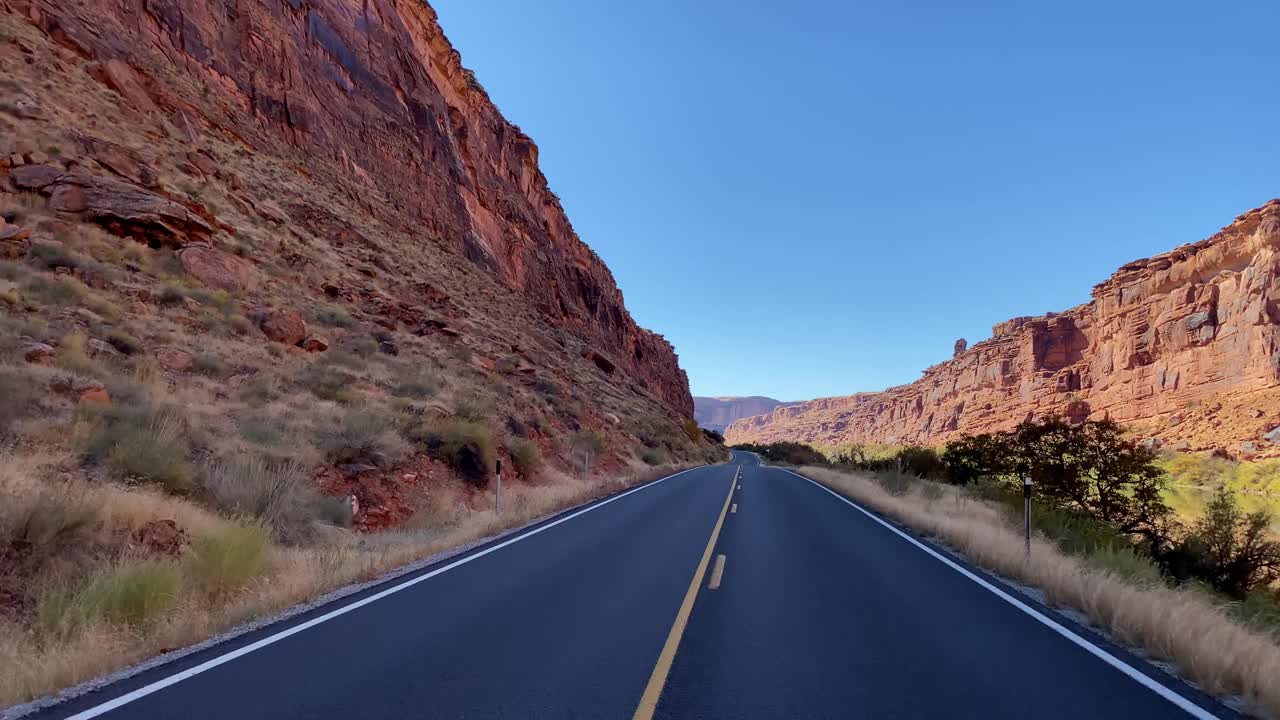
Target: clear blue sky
{"x": 815, "y": 198}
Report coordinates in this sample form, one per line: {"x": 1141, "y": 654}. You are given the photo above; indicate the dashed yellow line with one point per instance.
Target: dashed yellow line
{"x": 653, "y": 691}
{"x": 717, "y": 573}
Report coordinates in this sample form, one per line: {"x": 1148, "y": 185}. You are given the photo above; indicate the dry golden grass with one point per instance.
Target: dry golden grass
{"x": 38, "y": 663}
{"x": 1183, "y": 627}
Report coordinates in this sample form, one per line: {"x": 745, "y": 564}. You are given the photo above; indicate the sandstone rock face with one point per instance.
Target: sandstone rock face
{"x": 216, "y": 268}
{"x": 1187, "y": 342}
{"x": 366, "y": 92}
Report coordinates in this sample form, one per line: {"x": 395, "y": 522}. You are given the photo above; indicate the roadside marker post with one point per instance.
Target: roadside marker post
{"x": 497, "y": 492}
{"x": 1026, "y": 509}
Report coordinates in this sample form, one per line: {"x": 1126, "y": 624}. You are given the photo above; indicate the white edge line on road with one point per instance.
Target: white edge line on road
{"x": 1191, "y": 708}
{"x": 141, "y": 692}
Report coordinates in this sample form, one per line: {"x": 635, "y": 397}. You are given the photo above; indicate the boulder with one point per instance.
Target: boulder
{"x": 1181, "y": 446}
{"x": 1248, "y": 449}
{"x": 174, "y": 359}
{"x": 162, "y": 537}
{"x": 95, "y": 396}
{"x": 315, "y": 343}
{"x": 36, "y": 177}
{"x": 483, "y": 362}
{"x": 1152, "y": 443}
{"x": 215, "y": 268}
{"x": 38, "y": 352}
{"x": 601, "y": 361}
{"x": 127, "y": 210}
{"x": 1273, "y": 436}
{"x": 101, "y": 348}
{"x": 119, "y": 76}
{"x": 283, "y": 326}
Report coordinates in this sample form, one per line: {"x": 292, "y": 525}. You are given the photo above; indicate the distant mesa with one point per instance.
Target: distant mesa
{"x": 717, "y": 413}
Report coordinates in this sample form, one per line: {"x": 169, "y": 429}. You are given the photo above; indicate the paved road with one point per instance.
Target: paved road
{"x": 820, "y": 611}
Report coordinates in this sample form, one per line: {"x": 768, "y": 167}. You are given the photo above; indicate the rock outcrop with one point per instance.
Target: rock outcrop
{"x": 371, "y": 96}
{"x": 1184, "y": 346}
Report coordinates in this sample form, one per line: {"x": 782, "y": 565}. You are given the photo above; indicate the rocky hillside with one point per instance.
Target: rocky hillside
{"x": 365, "y": 99}
{"x": 717, "y": 413}
{"x": 1184, "y": 347}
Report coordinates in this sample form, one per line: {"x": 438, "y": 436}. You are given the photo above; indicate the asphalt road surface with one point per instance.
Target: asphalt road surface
{"x": 730, "y": 591}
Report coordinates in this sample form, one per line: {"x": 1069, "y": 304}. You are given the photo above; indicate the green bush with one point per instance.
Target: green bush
{"x": 224, "y": 562}
{"x": 1230, "y": 550}
{"x": 142, "y": 444}
{"x": 329, "y": 383}
{"x": 466, "y": 446}
{"x": 333, "y": 316}
{"x": 60, "y": 290}
{"x": 526, "y": 457}
{"x": 419, "y": 387}
{"x": 47, "y": 256}
{"x": 130, "y": 594}
{"x": 362, "y": 436}
{"x": 691, "y": 430}
{"x": 653, "y": 456}
{"x": 473, "y": 407}
{"x": 124, "y": 342}
{"x": 279, "y": 494}
{"x": 208, "y": 365}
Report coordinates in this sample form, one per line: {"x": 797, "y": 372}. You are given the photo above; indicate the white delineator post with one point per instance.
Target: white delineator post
{"x": 1026, "y": 509}
{"x": 497, "y": 492}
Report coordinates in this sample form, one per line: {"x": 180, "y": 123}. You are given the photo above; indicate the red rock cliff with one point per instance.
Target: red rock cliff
{"x": 1185, "y": 346}
{"x": 370, "y": 91}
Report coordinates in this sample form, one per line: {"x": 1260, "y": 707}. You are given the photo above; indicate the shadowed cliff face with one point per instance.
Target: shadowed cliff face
{"x": 371, "y": 94}
{"x": 1184, "y": 345}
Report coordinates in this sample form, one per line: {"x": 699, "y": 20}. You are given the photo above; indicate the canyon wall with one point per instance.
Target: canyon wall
{"x": 370, "y": 97}
{"x": 1184, "y": 347}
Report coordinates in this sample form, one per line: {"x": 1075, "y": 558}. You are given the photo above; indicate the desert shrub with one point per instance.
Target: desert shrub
{"x": 971, "y": 457}
{"x": 361, "y": 436}
{"x": 258, "y": 391}
{"x": 473, "y": 407}
{"x": 346, "y": 359}
{"x": 223, "y": 562}
{"x": 48, "y": 256}
{"x": 329, "y": 383}
{"x": 219, "y": 300}
{"x": 139, "y": 443}
{"x": 922, "y": 462}
{"x": 171, "y": 294}
{"x": 60, "y": 290}
{"x": 895, "y": 483}
{"x": 44, "y": 520}
{"x": 526, "y": 456}
{"x": 129, "y": 594}
{"x": 239, "y": 324}
{"x": 124, "y": 342}
{"x": 418, "y": 387}
{"x": 73, "y": 355}
{"x": 208, "y": 365}
{"x": 333, "y": 510}
{"x": 334, "y": 316}
{"x": 20, "y": 398}
{"x": 1228, "y": 549}
{"x": 691, "y": 430}
{"x": 1127, "y": 563}
{"x": 466, "y": 446}
{"x": 263, "y": 428}
{"x": 713, "y": 437}
{"x": 588, "y": 441}
{"x": 653, "y": 456}
{"x": 279, "y": 494}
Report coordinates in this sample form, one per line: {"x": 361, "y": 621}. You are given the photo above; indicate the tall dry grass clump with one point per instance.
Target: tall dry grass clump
{"x": 1185, "y": 627}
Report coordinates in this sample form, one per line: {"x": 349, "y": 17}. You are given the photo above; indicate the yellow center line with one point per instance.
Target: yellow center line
{"x": 653, "y": 691}
{"x": 717, "y": 573}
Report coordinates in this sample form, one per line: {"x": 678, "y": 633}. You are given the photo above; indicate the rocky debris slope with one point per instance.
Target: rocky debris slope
{"x": 1184, "y": 347}
{"x": 367, "y": 97}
